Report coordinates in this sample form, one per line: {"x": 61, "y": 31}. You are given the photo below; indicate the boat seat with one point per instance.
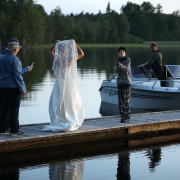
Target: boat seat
{"x": 164, "y": 76}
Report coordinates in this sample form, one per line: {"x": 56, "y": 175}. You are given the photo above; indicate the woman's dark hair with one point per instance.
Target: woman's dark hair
{"x": 121, "y": 48}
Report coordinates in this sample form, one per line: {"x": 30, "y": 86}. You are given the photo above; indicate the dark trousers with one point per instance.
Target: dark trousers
{"x": 7, "y": 128}
{"x": 124, "y": 97}
{"x": 9, "y": 111}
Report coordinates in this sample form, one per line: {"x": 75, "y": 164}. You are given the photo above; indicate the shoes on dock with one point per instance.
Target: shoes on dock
{"x": 13, "y": 134}
{"x": 5, "y": 133}
{"x": 125, "y": 118}
{"x": 20, "y": 133}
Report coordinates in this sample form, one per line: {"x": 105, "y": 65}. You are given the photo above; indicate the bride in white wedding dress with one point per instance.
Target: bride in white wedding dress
{"x": 65, "y": 106}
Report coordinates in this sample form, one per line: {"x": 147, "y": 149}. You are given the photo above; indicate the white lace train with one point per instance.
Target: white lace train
{"x": 65, "y": 106}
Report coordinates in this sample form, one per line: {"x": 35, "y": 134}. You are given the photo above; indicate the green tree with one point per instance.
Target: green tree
{"x": 174, "y": 27}
{"x": 55, "y": 25}
{"x": 27, "y": 21}
{"x": 123, "y": 27}
{"x": 176, "y": 15}
{"x": 159, "y": 8}
{"x": 130, "y": 9}
{"x": 108, "y": 9}
{"x": 3, "y": 27}
{"x": 79, "y": 34}
{"x": 147, "y": 7}
{"x": 105, "y": 31}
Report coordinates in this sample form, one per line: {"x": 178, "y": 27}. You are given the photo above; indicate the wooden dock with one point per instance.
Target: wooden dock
{"x": 96, "y": 129}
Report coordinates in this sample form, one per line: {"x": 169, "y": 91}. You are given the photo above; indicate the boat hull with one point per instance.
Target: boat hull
{"x": 144, "y": 99}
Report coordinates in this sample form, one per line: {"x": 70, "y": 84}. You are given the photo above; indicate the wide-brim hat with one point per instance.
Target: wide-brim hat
{"x": 13, "y": 45}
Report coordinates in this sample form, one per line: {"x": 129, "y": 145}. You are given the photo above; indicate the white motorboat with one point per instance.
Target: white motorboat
{"x": 147, "y": 92}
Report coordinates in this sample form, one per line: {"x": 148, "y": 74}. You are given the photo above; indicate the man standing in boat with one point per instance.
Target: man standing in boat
{"x": 156, "y": 62}
{"x": 123, "y": 69}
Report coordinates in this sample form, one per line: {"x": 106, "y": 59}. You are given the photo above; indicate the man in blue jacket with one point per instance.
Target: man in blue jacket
{"x": 12, "y": 87}
{"x": 3, "y": 53}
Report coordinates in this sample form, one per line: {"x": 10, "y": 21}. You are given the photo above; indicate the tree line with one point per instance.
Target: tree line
{"x": 30, "y": 24}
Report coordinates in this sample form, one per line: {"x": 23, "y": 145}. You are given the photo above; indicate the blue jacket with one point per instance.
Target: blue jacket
{"x": 6, "y": 51}
{"x": 11, "y": 72}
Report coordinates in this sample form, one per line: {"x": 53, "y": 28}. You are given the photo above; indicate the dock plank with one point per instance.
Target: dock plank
{"x": 91, "y": 130}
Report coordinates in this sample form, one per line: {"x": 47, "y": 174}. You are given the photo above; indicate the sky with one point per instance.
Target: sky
{"x": 93, "y": 6}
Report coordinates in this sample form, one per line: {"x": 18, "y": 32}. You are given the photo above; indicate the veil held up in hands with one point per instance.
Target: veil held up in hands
{"x": 65, "y": 107}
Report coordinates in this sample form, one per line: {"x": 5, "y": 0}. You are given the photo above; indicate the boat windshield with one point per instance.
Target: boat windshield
{"x": 137, "y": 72}
{"x": 174, "y": 70}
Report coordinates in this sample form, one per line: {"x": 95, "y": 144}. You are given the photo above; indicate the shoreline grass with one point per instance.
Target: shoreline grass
{"x": 114, "y": 45}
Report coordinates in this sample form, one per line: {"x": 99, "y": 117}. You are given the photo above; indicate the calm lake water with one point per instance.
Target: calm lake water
{"x": 93, "y": 68}
{"x": 154, "y": 162}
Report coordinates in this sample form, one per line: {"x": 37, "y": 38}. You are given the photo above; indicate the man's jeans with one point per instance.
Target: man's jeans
{"x": 9, "y": 111}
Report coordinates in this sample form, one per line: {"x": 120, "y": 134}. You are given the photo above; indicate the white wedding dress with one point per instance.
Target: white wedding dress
{"x": 65, "y": 106}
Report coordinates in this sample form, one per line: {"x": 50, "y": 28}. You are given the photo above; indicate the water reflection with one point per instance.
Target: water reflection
{"x": 70, "y": 170}
{"x": 99, "y": 59}
{"x": 122, "y": 161}
{"x": 154, "y": 156}
{"x": 123, "y": 170}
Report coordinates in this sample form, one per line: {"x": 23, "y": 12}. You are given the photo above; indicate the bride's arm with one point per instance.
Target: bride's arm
{"x": 51, "y": 50}
{"x": 80, "y": 52}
